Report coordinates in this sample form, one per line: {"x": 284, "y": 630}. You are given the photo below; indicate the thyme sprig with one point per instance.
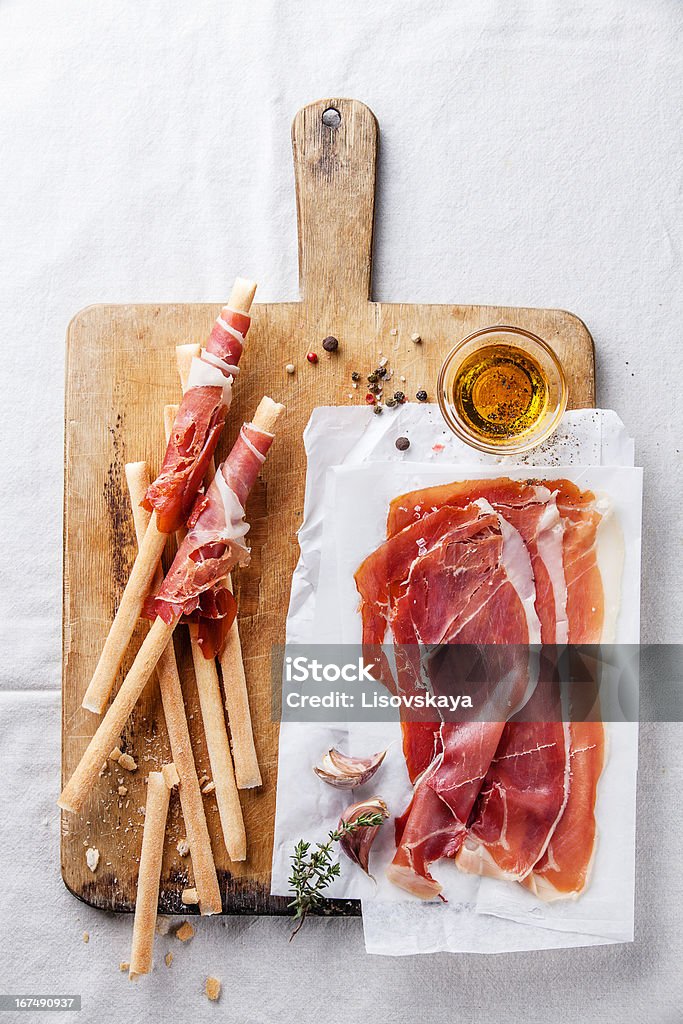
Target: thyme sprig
{"x": 312, "y": 874}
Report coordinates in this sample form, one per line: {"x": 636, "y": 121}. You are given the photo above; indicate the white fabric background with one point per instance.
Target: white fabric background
{"x": 531, "y": 155}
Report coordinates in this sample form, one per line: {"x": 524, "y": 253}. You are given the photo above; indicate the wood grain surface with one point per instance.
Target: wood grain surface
{"x": 121, "y": 372}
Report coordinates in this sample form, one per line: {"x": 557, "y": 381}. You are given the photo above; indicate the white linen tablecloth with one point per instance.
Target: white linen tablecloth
{"x": 530, "y": 156}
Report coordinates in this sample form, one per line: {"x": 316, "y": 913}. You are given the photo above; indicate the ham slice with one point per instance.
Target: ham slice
{"x": 198, "y": 423}
{"x": 215, "y": 541}
{"x": 564, "y": 869}
{"x": 469, "y": 587}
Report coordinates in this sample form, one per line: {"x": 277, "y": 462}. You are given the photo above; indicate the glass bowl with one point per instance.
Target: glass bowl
{"x": 533, "y": 364}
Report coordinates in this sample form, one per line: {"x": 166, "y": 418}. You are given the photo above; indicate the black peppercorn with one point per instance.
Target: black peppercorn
{"x": 381, "y": 371}
{"x": 330, "y": 344}
{"x": 355, "y": 376}
{"x": 390, "y": 402}
{"x": 403, "y": 444}
{"x": 377, "y": 410}
{"x": 421, "y": 396}
{"x": 372, "y": 378}
{"x": 399, "y": 396}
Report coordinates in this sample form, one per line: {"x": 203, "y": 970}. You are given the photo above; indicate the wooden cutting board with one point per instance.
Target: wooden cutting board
{"x": 120, "y": 374}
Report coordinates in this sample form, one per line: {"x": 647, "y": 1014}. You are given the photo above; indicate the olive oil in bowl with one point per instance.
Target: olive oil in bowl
{"x": 502, "y": 390}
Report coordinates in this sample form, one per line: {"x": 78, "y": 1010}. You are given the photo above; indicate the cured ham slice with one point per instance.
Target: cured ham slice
{"x": 522, "y": 799}
{"x": 199, "y": 422}
{"x": 564, "y": 869}
{"x": 214, "y": 543}
{"x": 465, "y": 589}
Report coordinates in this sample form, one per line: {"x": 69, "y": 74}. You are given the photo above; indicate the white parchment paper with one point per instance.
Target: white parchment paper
{"x": 354, "y": 464}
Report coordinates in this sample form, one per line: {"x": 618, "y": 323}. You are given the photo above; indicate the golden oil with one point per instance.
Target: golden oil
{"x": 500, "y": 392}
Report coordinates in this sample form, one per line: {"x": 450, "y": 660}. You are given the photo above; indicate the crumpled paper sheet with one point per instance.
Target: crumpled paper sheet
{"x": 343, "y": 446}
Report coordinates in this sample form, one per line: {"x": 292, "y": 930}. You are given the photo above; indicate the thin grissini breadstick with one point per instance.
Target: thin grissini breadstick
{"x": 103, "y": 742}
{"x": 218, "y": 746}
{"x": 147, "y": 897}
{"x": 76, "y": 791}
{"x": 116, "y": 644}
{"x": 247, "y": 771}
{"x": 191, "y": 800}
{"x": 217, "y": 742}
{"x": 175, "y": 497}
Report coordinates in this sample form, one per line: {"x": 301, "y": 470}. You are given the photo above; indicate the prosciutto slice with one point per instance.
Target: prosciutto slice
{"x": 564, "y": 869}
{"x": 468, "y": 588}
{"x": 198, "y": 423}
{"x": 215, "y": 541}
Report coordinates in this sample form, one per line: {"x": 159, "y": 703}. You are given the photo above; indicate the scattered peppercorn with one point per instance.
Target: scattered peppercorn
{"x": 381, "y": 371}
{"x": 415, "y": 338}
{"x": 374, "y": 388}
{"x": 372, "y": 378}
{"x": 421, "y": 396}
{"x": 370, "y": 399}
{"x": 400, "y": 397}
{"x": 355, "y": 376}
{"x": 391, "y": 402}
{"x": 312, "y": 357}
{"x": 377, "y": 410}
{"x": 290, "y": 367}
{"x": 330, "y": 344}
{"x": 403, "y": 444}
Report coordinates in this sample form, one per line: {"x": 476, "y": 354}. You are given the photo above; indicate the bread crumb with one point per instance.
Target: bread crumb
{"x": 190, "y": 898}
{"x": 208, "y": 788}
{"x": 168, "y": 959}
{"x": 115, "y": 754}
{"x": 415, "y": 338}
{"x": 92, "y": 858}
{"x": 163, "y": 925}
{"x": 86, "y": 936}
{"x": 204, "y": 778}
{"x": 183, "y": 847}
{"x": 124, "y": 966}
{"x": 213, "y": 989}
{"x": 185, "y": 932}
{"x": 127, "y": 762}
{"x": 170, "y": 774}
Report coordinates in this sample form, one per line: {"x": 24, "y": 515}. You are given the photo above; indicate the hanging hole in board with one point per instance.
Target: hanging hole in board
{"x": 331, "y": 118}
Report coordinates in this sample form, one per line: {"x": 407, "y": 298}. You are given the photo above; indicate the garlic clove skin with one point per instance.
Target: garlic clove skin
{"x": 356, "y": 845}
{"x": 345, "y": 772}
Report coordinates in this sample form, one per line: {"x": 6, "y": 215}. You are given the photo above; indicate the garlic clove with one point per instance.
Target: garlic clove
{"x": 345, "y": 772}
{"x": 356, "y": 845}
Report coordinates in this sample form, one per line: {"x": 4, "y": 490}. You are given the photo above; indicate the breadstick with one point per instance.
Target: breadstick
{"x": 147, "y": 898}
{"x": 247, "y": 768}
{"x": 217, "y": 742}
{"x": 107, "y": 735}
{"x": 191, "y": 802}
{"x": 132, "y": 599}
{"x": 247, "y": 771}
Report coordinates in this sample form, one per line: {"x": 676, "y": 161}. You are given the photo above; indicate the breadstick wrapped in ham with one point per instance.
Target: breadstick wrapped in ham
{"x": 199, "y": 421}
{"x": 171, "y": 497}
{"x": 213, "y": 547}
{"x": 215, "y": 541}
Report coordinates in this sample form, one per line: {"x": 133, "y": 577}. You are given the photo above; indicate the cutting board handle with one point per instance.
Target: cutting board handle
{"x": 335, "y": 153}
